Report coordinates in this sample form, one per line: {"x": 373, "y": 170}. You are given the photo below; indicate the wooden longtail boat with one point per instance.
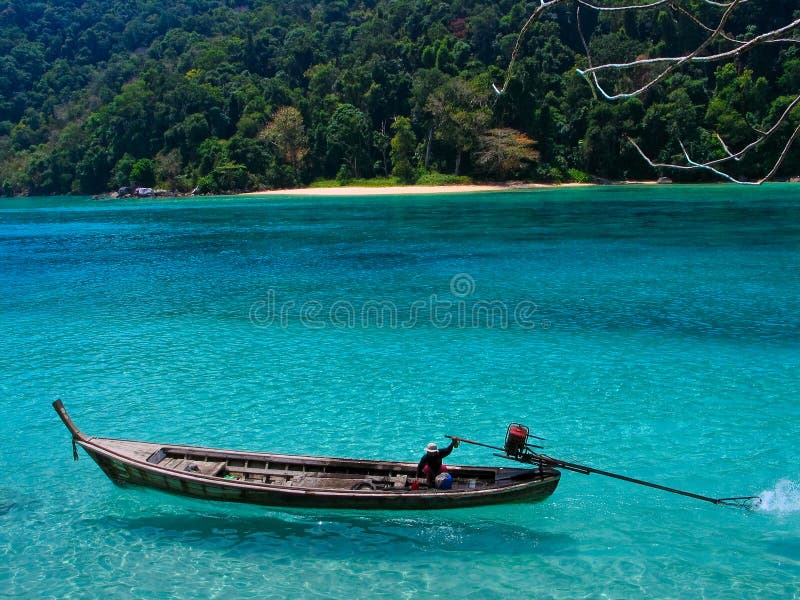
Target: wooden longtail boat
{"x": 303, "y": 481}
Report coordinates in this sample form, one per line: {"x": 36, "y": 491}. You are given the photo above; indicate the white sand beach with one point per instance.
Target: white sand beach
{"x": 405, "y": 189}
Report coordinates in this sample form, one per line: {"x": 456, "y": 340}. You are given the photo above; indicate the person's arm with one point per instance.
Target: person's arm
{"x": 449, "y": 449}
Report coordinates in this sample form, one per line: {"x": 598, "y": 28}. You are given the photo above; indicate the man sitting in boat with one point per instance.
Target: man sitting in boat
{"x": 431, "y": 463}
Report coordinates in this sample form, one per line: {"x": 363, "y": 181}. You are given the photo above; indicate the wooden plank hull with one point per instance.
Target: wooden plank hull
{"x": 129, "y": 472}
{"x": 279, "y": 480}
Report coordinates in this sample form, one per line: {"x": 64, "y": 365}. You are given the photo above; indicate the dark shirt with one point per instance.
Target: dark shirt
{"x": 434, "y": 461}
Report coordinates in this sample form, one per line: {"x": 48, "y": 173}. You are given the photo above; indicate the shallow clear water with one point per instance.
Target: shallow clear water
{"x": 653, "y": 331}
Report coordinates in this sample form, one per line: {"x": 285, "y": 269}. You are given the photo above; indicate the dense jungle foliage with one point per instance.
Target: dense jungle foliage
{"x": 242, "y": 94}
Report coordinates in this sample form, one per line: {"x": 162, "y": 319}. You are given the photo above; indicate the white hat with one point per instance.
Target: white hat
{"x": 432, "y": 447}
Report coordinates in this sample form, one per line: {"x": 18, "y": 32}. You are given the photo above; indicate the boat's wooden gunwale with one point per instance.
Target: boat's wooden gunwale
{"x": 196, "y": 476}
{"x": 304, "y": 463}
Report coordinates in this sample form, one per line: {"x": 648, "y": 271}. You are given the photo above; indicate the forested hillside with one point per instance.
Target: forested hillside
{"x": 243, "y": 94}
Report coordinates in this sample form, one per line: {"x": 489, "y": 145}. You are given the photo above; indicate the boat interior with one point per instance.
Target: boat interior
{"x": 322, "y": 473}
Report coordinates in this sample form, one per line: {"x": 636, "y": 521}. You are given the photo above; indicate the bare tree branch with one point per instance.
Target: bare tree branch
{"x": 762, "y": 137}
{"x": 694, "y": 56}
{"x": 716, "y": 35}
{"x": 673, "y": 63}
{"x": 543, "y": 6}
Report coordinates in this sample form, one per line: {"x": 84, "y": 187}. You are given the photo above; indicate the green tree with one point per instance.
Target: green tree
{"x": 92, "y": 171}
{"x": 286, "y": 131}
{"x": 121, "y": 175}
{"x": 738, "y": 105}
{"x": 143, "y": 172}
{"x": 604, "y": 146}
{"x": 227, "y": 177}
{"x": 402, "y": 150}
{"x": 461, "y": 115}
{"x": 187, "y": 135}
{"x": 348, "y": 138}
{"x": 212, "y": 152}
{"x": 168, "y": 171}
{"x": 673, "y": 121}
{"x": 426, "y": 82}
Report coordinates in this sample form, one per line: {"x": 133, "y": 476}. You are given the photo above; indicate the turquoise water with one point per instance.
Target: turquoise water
{"x": 653, "y": 331}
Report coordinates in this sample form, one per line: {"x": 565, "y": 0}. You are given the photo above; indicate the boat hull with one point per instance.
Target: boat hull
{"x": 293, "y": 481}
{"x": 125, "y": 472}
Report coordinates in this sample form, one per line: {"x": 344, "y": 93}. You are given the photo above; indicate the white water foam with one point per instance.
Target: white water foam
{"x": 783, "y": 498}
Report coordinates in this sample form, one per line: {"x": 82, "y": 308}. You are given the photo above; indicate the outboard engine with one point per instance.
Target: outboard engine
{"x": 516, "y": 440}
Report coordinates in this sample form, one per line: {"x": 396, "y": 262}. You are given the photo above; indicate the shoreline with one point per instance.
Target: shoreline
{"x": 412, "y": 190}
{"x": 401, "y": 190}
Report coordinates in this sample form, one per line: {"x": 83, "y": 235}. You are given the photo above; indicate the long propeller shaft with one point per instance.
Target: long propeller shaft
{"x": 530, "y": 457}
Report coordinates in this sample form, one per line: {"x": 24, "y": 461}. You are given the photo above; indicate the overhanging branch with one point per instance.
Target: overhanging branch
{"x": 716, "y": 35}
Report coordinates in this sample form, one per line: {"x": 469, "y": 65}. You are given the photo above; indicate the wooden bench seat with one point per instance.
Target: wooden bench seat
{"x": 206, "y": 468}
